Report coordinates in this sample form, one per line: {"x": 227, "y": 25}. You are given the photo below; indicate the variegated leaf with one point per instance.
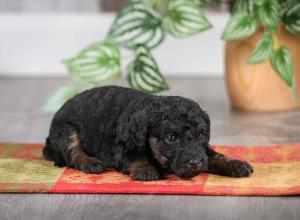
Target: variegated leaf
{"x": 97, "y": 64}
{"x": 258, "y": 2}
{"x": 59, "y": 97}
{"x": 262, "y": 50}
{"x": 269, "y": 14}
{"x": 143, "y": 72}
{"x": 136, "y": 24}
{"x": 204, "y": 3}
{"x": 281, "y": 61}
{"x": 185, "y": 18}
{"x": 240, "y": 26}
{"x": 291, "y": 19}
{"x": 243, "y": 5}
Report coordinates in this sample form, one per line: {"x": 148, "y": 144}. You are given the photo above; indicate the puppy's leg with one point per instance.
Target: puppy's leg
{"x": 79, "y": 160}
{"x": 221, "y": 165}
{"x": 143, "y": 170}
{"x": 140, "y": 168}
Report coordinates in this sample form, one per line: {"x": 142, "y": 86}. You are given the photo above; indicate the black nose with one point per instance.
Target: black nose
{"x": 195, "y": 164}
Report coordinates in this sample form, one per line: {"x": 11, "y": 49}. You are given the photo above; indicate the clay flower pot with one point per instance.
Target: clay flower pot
{"x": 257, "y": 87}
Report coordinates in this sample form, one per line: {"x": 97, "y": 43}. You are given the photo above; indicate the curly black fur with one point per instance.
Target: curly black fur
{"x": 136, "y": 133}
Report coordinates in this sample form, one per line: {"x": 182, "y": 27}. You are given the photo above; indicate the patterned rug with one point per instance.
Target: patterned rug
{"x": 277, "y": 172}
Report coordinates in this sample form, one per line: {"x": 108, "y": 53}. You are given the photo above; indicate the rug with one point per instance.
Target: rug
{"x": 277, "y": 172}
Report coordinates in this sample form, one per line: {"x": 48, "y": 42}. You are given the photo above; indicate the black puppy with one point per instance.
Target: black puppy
{"x": 136, "y": 133}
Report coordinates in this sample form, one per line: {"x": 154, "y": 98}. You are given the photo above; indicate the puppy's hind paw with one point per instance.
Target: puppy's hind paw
{"x": 238, "y": 168}
{"x": 145, "y": 174}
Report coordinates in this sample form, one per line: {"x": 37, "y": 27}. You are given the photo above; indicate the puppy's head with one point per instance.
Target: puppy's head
{"x": 178, "y": 135}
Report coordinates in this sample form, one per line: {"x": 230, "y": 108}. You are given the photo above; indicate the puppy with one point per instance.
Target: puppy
{"x": 137, "y": 134}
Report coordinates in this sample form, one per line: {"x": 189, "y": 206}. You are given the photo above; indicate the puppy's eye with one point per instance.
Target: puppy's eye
{"x": 171, "y": 137}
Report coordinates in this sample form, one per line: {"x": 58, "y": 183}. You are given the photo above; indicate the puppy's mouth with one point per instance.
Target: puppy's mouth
{"x": 187, "y": 172}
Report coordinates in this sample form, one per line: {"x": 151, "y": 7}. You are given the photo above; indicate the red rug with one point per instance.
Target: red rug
{"x": 277, "y": 172}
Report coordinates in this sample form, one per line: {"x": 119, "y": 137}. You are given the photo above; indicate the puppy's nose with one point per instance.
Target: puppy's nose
{"x": 195, "y": 164}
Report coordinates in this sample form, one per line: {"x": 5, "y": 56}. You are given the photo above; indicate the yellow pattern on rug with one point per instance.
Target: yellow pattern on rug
{"x": 17, "y": 171}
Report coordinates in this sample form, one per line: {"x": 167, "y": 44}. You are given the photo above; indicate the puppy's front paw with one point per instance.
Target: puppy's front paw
{"x": 238, "y": 168}
{"x": 145, "y": 174}
{"x": 91, "y": 165}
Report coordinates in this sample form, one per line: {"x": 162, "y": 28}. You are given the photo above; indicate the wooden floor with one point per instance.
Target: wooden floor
{"x": 21, "y": 120}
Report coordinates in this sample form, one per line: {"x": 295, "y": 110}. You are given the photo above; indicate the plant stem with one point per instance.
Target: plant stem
{"x": 163, "y": 7}
{"x": 276, "y": 44}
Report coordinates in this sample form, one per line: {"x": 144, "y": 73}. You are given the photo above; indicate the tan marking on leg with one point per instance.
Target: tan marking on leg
{"x": 77, "y": 156}
{"x": 138, "y": 165}
{"x": 80, "y": 160}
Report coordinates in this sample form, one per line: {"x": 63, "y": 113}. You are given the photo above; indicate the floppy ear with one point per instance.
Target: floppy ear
{"x": 137, "y": 134}
{"x": 132, "y": 132}
{"x": 206, "y": 118}
{"x": 207, "y": 121}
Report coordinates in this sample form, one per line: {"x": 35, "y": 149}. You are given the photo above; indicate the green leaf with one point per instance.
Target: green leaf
{"x": 291, "y": 19}
{"x": 258, "y": 2}
{"x": 137, "y": 24}
{"x": 281, "y": 61}
{"x": 204, "y": 3}
{"x": 269, "y": 14}
{"x": 240, "y": 26}
{"x": 143, "y": 72}
{"x": 147, "y": 3}
{"x": 59, "y": 97}
{"x": 185, "y": 18}
{"x": 262, "y": 50}
{"x": 97, "y": 64}
{"x": 243, "y": 6}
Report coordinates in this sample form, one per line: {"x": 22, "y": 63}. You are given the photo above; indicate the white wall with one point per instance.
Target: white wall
{"x": 34, "y": 44}
{"x": 49, "y": 5}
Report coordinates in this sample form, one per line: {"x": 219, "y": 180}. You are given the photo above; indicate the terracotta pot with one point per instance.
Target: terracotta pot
{"x": 257, "y": 87}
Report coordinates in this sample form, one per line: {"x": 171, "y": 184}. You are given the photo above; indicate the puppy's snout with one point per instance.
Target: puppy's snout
{"x": 195, "y": 164}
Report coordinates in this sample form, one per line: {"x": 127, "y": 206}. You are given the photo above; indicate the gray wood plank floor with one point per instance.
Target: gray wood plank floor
{"x": 21, "y": 120}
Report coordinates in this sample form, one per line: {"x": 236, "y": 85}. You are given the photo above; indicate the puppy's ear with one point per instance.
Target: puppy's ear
{"x": 132, "y": 132}
{"x": 207, "y": 121}
{"x": 138, "y": 135}
{"x": 206, "y": 118}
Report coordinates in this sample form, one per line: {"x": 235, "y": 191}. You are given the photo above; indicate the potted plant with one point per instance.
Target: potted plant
{"x": 263, "y": 45}
{"x": 142, "y": 25}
